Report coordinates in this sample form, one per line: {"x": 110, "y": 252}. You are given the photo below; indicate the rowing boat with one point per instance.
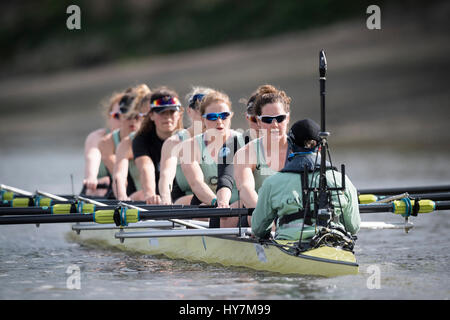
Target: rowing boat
{"x": 166, "y": 231}
{"x": 133, "y": 228}
{"x": 228, "y": 249}
{"x": 177, "y": 239}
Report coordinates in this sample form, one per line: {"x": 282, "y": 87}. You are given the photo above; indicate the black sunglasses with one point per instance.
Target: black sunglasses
{"x": 269, "y": 119}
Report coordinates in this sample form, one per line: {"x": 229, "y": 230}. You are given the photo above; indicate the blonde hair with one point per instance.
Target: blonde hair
{"x": 141, "y": 98}
{"x": 214, "y": 96}
{"x": 108, "y": 103}
{"x": 266, "y": 94}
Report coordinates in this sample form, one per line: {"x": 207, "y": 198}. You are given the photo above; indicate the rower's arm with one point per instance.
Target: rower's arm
{"x": 264, "y": 214}
{"x": 349, "y": 215}
{"x": 120, "y": 169}
{"x": 106, "y": 147}
{"x": 168, "y": 168}
{"x": 195, "y": 178}
{"x": 92, "y": 158}
{"x": 243, "y": 175}
{"x": 352, "y": 219}
{"x": 146, "y": 169}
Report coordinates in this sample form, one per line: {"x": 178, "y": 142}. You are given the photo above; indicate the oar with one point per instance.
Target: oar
{"x": 177, "y": 221}
{"x": 183, "y": 223}
{"x": 64, "y": 208}
{"x": 123, "y": 216}
{"x": 410, "y": 190}
{"x": 370, "y": 198}
{"x": 405, "y": 207}
{"x": 15, "y": 190}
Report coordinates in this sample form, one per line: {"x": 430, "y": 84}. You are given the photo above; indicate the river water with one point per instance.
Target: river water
{"x": 35, "y": 263}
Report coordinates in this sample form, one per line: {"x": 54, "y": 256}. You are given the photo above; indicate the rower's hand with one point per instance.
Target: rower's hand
{"x": 90, "y": 183}
{"x": 165, "y": 201}
{"x": 154, "y": 199}
{"x": 222, "y": 204}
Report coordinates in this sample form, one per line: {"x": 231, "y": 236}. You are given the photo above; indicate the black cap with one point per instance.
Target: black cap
{"x": 304, "y": 130}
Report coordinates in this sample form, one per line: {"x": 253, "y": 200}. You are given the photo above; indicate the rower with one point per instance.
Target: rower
{"x": 225, "y": 168}
{"x": 164, "y": 119}
{"x": 265, "y": 156}
{"x": 173, "y": 186}
{"x": 95, "y": 171}
{"x": 133, "y": 109}
{"x": 281, "y": 198}
{"x": 199, "y": 162}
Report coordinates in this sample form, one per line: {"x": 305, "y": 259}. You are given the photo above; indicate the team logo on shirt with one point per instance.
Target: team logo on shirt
{"x": 225, "y": 151}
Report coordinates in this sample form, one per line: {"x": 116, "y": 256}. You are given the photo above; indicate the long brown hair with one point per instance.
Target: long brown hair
{"x": 140, "y": 98}
{"x": 266, "y": 94}
{"x": 160, "y": 92}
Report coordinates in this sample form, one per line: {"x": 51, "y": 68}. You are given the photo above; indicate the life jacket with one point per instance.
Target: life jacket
{"x": 298, "y": 162}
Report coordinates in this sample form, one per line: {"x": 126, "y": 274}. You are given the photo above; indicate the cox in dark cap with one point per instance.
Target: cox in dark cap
{"x": 304, "y": 131}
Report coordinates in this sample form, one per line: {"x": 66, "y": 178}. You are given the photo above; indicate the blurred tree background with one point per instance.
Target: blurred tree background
{"x": 386, "y": 87}
{"x": 34, "y": 37}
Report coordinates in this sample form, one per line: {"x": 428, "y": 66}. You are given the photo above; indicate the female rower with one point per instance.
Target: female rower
{"x": 199, "y": 153}
{"x": 225, "y": 166}
{"x": 95, "y": 171}
{"x": 173, "y": 186}
{"x": 132, "y": 108}
{"x": 266, "y": 155}
{"x": 164, "y": 119}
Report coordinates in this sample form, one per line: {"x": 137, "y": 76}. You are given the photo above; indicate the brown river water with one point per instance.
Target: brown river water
{"x": 34, "y": 261}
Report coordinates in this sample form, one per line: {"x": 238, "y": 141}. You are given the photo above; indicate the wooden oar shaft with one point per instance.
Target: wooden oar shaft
{"x": 410, "y": 190}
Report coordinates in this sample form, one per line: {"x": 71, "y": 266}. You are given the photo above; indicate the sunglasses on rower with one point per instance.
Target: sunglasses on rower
{"x": 115, "y": 115}
{"x": 135, "y": 116}
{"x": 213, "y": 116}
{"x": 251, "y": 118}
{"x": 269, "y": 119}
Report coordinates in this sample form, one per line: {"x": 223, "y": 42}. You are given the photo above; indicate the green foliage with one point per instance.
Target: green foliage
{"x": 34, "y": 36}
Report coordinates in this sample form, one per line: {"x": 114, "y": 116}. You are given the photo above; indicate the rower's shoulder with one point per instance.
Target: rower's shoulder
{"x": 176, "y": 138}
{"x": 246, "y": 148}
{"x": 106, "y": 140}
{"x": 94, "y": 137}
{"x": 97, "y": 133}
{"x": 282, "y": 183}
